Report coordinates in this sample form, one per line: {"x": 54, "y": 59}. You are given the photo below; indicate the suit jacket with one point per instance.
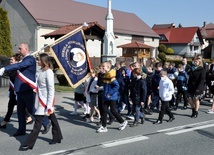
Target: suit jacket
{"x": 28, "y": 68}
{"x": 45, "y": 84}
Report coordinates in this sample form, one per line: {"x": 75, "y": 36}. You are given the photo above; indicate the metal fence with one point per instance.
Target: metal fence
{"x": 4, "y": 82}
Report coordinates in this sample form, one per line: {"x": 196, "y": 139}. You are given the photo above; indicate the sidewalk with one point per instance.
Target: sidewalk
{"x": 63, "y": 100}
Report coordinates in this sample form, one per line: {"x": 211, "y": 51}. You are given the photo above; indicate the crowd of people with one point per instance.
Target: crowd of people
{"x": 108, "y": 91}
{"x": 144, "y": 89}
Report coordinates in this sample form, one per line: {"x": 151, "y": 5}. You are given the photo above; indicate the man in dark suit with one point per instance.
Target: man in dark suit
{"x": 23, "y": 85}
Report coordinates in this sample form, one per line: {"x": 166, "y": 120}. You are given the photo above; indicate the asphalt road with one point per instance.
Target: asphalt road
{"x": 185, "y": 135}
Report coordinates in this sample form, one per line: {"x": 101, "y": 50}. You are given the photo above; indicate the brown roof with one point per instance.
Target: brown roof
{"x": 68, "y": 28}
{"x": 65, "y": 12}
{"x": 182, "y": 35}
{"x": 135, "y": 45}
{"x": 208, "y": 31}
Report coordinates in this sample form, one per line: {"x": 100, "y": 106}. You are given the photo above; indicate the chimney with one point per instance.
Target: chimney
{"x": 204, "y": 24}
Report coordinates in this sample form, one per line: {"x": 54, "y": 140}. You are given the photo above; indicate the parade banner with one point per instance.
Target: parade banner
{"x": 71, "y": 55}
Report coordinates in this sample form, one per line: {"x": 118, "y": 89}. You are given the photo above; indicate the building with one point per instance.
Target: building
{"x": 207, "y": 32}
{"x": 31, "y": 19}
{"x": 183, "y": 40}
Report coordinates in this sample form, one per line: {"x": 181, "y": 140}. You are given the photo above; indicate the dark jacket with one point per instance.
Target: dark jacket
{"x": 28, "y": 68}
{"x": 196, "y": 81}
{"x": 149, "y": 82}
{"x": 182, "y": 79}
{"x": 111, "y": 86}
{"x": 139, "y": 91}
{"x": 155, "y": 82}
{"x": 124, "y": 85}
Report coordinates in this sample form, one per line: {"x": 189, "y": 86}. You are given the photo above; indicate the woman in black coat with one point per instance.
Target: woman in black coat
{"x": 196, "y": 85}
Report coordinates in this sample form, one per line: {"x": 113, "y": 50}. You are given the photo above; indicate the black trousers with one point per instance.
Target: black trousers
{"x": 165, "y": 109}
{"x": 100, "y": 106}
{"x": 178, "y": 97}
{"x": 56, "y": 131}
{"x": 25, "y": 100}
{"x": 112, "y": 105}
{"x": 12, "y": 102}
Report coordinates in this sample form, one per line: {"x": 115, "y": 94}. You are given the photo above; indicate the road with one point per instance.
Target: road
{"x": 185, "y": 135}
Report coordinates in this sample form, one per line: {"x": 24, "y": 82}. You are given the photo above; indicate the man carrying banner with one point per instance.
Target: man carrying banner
{"x": 23, "y": 85}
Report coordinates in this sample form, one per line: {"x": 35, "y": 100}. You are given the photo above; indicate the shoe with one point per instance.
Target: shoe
{"x": 73, "y": 113}
{"x": 88, "y": 120}
{"x": 86, "y": 116}
{"x": 18, "y": 134}
{"x": 111, "y": 121}
{"x": 123, "y": 125}
{"x": 3, "y": 126}
{"x": 135, "y": 124}
{"x": 158, "y": 122}
{"x": 171, "y": 119}
{"x": 25, "y": 148}
{"x": 131, "y": 117}
{"x": 211, "y": 100}
{"x": 142, "y": 120}
{"x": 124, "y": 107}
{"x": 210, "y": 112}
{"x": 54, "y": 142}
{"x": 29, "y": 122}
{"x": 46, "y": 128}
{"x": 184, "y": 108}
{"x": 193, "y": 113}
{"x": 147, "y": 112}
{"x": 102, "y": 129}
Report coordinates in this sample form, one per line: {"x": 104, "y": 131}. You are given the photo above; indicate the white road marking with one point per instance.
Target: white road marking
{"x": 56, "y": 152}
{"x": 124, "y": 141}
{"x": 184, "y": 126}
{"x": 190, "y": 129}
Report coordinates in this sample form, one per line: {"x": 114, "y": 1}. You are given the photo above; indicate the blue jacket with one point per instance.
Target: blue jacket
{"x": 182, "y": 81}
{"x": 111, "y": 86}
{"x": 28, "y": 68}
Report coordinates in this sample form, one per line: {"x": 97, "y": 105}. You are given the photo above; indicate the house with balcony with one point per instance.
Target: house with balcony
{"x": 183, "y": 40}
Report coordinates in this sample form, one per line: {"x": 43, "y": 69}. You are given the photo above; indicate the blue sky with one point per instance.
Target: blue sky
{"x": 187, "y": 12}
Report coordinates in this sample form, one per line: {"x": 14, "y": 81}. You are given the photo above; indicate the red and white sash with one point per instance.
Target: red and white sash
{"x": 42, "y": 99}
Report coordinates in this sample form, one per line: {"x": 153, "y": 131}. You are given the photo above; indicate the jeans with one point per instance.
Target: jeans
{"x": 138, "y": 113}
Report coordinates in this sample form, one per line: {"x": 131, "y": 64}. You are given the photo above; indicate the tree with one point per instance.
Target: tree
{"x": 169, "y": 51}
{"x": 162, "y": 57}
{"x": 5, "y": 42}
{"x": 162, "y": 48}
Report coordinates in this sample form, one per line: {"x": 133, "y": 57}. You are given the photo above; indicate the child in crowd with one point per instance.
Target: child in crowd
{"x": 78, "y": 98}
{"x": 181, "y": 85}
{"x": 110, "y": 97}
{"x": 166, "y": 89}
{"x": 139, "y": 92}
{"x": 149, "y": 76}
{"x": 92, "y": 90}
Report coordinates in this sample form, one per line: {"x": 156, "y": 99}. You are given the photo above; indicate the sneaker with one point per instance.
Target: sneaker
{"x": 102, "y": 129}
{"x": 210, "y": 112}
{"x": 123, "y": 125}
{"x": 123, "y": 108}
{"x": 211, "y": 100}
{"x": 158, "y": 122}
{"x": 131, "y": 117}
{"x": 73, "y": 113}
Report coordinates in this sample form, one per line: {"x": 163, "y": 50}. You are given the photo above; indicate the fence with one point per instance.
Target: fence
{"x": 4, "y": 82}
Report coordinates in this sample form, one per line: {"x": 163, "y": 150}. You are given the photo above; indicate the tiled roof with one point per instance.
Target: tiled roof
{"x": 181, "y": 35}
{"x": 65, "y": 12}
{"x": 135, "y": 45}
{"x": 208, "y": 31}
{"x": 68, "y": 28}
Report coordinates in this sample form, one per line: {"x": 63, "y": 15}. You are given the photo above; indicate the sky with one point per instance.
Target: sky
{"x": 188, "y": 13}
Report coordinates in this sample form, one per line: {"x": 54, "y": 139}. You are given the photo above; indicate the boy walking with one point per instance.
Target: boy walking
{"x": 166, "y": 89}
{"x": 110, "y": 97}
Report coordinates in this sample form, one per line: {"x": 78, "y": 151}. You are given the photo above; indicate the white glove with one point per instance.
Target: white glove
{"x": 2, "y": 71}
